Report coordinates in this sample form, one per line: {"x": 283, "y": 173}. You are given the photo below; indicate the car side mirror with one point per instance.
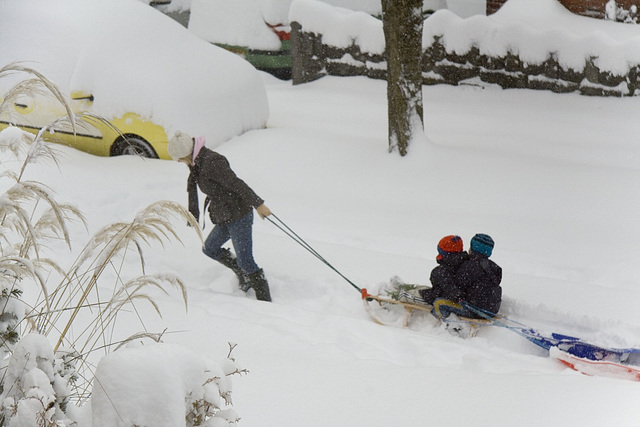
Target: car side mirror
{"x": 82, "y": 96}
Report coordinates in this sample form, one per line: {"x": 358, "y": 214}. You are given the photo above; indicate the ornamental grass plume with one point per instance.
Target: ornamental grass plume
{"x": 71, "y": 309}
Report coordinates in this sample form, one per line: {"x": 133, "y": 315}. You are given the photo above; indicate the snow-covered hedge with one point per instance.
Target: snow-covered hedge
{"x": 327, "y": 40}
{"x": 535, "y": 44}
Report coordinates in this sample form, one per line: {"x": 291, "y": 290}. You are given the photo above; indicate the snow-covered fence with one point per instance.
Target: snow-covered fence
{"x": 327, "y": 40}
{"x": 312, "y": 58}
{"x": 567, "y": 54}
{"x": 613, "y": 10}
{"x": 510, "y": 71}
{"x": 482, "y": 50}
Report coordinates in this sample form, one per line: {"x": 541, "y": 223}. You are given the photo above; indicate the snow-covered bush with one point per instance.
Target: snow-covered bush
{"x": 615, "y": 12}
{"x": 47, "y": 362}
{"x": 37, "y": 384}
{"x": 163, "y": 383}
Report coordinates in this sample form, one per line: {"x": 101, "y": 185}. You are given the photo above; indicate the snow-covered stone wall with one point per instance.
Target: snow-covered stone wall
{"x": 626, "y": 11}
{"x": 527, "y": 44}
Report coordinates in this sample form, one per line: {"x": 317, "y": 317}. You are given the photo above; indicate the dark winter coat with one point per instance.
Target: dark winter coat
{"x": 230, "y": 197}
{"x": 443, "y": 278}
{"x": 479, "y": 279}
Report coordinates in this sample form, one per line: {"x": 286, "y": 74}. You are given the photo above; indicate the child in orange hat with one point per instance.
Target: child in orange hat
{"x": 443, "y": 277}
{"x": 450, "y": 257}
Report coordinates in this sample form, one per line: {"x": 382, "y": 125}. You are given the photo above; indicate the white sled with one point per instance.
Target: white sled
{"x": 390, "y": 312}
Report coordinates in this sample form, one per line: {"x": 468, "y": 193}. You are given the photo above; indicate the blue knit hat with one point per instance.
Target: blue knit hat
{"x": 482, "y": 244}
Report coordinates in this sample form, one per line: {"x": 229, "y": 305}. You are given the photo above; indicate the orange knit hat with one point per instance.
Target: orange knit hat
{"x": 449, "y": 244}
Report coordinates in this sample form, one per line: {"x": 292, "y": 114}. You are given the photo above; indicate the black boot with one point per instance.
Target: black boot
{"x": 259, "y": 284}
{"x": 228, "y": 260}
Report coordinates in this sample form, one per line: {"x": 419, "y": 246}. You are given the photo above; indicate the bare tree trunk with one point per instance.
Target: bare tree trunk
{"x": 402, "y": 21}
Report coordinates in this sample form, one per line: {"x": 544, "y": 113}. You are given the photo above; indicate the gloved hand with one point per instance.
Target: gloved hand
{"x": 263, "y": 211}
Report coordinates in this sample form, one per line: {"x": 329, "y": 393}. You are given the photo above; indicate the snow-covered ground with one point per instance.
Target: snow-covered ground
{"x": 551, "y": 177}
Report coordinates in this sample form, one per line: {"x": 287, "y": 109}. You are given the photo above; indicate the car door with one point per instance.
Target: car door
{"x": 20, "y": 111}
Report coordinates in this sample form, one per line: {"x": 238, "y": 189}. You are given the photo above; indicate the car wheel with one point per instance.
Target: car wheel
{"x": 133, "y": 145}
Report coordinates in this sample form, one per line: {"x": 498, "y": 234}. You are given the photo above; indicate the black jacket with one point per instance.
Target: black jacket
{"x": 230, "y": 197}
{"x": 443, "y": 278}
{"x": 479, "y": 279}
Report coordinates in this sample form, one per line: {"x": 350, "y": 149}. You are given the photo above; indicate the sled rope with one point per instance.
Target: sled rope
{"x": 496, "y": 319}
{"x": 299, "y": 240}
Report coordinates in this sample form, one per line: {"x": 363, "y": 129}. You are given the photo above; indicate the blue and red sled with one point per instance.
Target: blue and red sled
{"x": 579, "y": 355}
{"x": 602, "y": 368}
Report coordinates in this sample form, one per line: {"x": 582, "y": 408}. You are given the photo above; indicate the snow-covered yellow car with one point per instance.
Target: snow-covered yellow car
{"x": 131, "y": 75}
{"x": 127, "y": 134}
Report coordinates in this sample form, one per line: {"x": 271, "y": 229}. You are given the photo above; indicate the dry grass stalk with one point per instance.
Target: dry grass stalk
{"x": 29, "y": 210}
{"x": 31, "y": 86}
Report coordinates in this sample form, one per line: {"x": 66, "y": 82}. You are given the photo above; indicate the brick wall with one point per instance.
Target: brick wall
{"x": 494, "y": 5}
{"x": 591, "y": 8}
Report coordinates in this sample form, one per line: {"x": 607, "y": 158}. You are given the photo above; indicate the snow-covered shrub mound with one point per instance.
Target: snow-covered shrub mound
{"x": 36, "y": 384}
{"x": 162, "y": 385}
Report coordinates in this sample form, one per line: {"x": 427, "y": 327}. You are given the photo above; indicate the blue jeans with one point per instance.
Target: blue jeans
{"x": 240, "y": 233}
